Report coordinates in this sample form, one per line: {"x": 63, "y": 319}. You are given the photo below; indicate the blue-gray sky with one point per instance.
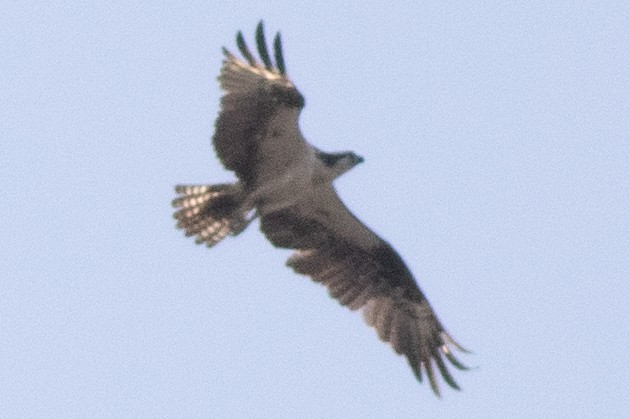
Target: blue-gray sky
{"x": 496, "y": 138}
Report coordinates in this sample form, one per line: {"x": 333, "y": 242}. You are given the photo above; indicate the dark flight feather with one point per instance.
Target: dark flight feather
{"x": 244, "y": 49}
{"x": 262, "y": 49}
{"x": 279, "y": 57}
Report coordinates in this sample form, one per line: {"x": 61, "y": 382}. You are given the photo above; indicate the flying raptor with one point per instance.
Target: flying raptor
{"x": 288, "y": 184}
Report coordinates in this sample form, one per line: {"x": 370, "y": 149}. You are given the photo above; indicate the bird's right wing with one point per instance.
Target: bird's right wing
{"x": 362, "y": 271}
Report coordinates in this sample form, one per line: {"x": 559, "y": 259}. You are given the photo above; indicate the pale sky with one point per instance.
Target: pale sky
{"x": 496, "y": 140}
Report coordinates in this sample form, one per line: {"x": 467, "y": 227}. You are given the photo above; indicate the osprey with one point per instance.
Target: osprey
{"x": 288, "y": 184}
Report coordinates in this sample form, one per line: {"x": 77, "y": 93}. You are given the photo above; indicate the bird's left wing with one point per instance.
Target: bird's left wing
{"x": 257, "y": 131}
{"x": 363, "y": 271}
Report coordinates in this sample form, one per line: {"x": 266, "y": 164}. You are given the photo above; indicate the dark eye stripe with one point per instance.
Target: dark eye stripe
{"x": 330, "y": 159}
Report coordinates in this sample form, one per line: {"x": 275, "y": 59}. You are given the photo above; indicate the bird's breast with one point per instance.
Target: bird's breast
{"x": 285, "y": 189}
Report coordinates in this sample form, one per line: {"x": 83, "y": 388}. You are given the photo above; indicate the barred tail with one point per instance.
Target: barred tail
{"x": 210, "y": 212}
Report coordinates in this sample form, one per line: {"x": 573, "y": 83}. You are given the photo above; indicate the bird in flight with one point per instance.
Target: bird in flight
{"x": 287, "y": 184}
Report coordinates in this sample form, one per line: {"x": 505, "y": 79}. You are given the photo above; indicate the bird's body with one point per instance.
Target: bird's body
{"x": 288, "y": 185}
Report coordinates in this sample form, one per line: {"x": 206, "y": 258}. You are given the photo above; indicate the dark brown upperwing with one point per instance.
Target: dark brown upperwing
{"x": 254, "y": 93}
{"x": 374, "y": 279}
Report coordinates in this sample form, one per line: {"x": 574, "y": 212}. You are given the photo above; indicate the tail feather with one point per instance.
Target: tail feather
{"x": 210, "y": 212}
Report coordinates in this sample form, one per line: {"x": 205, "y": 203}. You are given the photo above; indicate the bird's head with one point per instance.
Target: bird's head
{"x": 339, "y": 163}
